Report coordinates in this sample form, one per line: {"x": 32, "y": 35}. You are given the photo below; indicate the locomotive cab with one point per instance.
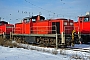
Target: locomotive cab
{"x": 82, "y": 27}
{"x": 84, "y": 18}
{"x": 5, "y": 28}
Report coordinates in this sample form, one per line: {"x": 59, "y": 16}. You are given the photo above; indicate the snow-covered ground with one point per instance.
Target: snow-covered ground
{"x": 7, "y": 53}
{"x": 23, "y": 54}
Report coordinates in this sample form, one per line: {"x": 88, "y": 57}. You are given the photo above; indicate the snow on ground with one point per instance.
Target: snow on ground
{"x": 7, "y": 53}
{"x": 81, "y": 46}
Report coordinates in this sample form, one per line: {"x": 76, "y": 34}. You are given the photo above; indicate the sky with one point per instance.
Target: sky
{"x": 14, "y": 11}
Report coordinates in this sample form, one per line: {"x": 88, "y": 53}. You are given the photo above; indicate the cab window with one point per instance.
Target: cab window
{"x": 26, "y": 20}
{"x": 86, "y": 19}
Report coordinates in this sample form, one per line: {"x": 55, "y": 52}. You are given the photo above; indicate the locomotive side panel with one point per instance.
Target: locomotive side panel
{"x": 41, "y": 27}
{"x": 18, "y": 28}
{"x": 85, "y": 27}
{"x": 27, "y": 28}
{"x": 6, "y": 29}
{"x": 57, "y": 26}
{"x": 68, "y": 26}
{"x": 9, "y": 28}
{"x": 63, "y": 25}
{"x": 71, "y": 26}
{"x": 76, "y": 27}
{"x": 34, "y": 28}
{"x": 2, "y": 29}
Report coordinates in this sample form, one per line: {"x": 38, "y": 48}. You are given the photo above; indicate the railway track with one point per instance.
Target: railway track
{"x": 67, "y": 48}
{"x": 23, "y": 45}
{"x": 53, "y": 47}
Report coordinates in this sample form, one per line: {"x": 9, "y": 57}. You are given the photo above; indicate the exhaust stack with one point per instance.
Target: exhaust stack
{"x": 38, "y": 18}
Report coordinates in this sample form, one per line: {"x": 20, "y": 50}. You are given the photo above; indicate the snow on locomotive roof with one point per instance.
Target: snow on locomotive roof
{"x": 27, "y": 17}
{"x": 4, "y": 22}
{"x": 58, "y": 19}
{"x": 34, "y": 17}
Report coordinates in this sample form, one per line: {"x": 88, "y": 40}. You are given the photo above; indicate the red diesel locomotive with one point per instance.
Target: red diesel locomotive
{"x": 5, "y": 28}
{"x": 37, "y": 30}
{"x": 82, "y": 28}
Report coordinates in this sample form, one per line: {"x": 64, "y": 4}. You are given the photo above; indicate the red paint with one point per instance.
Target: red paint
{"x": 82, "y": 26}
{"x": 6, "y": 28}
{"x": 41, "y": 26}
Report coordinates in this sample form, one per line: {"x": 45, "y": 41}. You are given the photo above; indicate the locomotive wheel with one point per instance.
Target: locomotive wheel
{"x": 47, "y": 42}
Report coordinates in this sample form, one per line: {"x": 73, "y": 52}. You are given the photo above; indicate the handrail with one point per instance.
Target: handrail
{"x": 17, "y": 29}
{"x": 45, "y": 29}
{"x": 67, "y": 29}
